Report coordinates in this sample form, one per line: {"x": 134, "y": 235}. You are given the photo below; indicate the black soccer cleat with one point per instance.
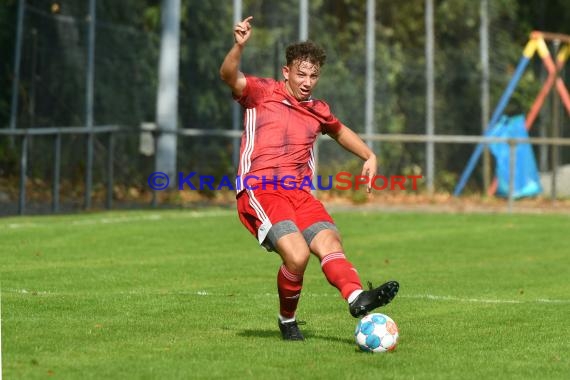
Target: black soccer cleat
{"x": 369, "y": 300}
{"x": 290, "y": 330}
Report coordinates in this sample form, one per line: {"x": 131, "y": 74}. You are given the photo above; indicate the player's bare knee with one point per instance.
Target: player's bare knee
{"x": 295, "y": 261}
{"x": 294, "y": 252}
{"x": 326, "y": 242}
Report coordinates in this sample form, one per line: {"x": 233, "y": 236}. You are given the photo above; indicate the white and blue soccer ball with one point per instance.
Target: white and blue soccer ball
{"x": 376, "y": 333}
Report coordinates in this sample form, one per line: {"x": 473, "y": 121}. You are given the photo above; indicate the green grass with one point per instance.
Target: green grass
{"x": 187, "y": 295}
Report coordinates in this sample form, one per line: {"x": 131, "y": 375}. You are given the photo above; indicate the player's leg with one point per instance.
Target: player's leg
{"x": 326, "y": 245}
{"x": 324, "y": 241}
{"x": 269, "y": 216}
{"x": 295, "y": 255}
{"x": 340, "y": 273}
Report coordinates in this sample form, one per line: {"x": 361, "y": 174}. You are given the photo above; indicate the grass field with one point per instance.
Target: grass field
{"x": 189, "y": 295}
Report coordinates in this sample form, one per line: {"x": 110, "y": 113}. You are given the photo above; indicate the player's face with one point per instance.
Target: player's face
{"x": 301, "y": 77}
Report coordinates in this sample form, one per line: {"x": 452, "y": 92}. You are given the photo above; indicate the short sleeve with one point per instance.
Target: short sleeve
{"x": 256, "y": 89}
{"x": 331, "y": 125}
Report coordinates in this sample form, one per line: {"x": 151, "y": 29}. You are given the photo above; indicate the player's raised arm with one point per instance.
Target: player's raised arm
{"x": 229, "y": 71}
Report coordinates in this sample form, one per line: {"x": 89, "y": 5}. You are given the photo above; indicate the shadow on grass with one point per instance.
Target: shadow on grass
{"x": 275, "y": 334}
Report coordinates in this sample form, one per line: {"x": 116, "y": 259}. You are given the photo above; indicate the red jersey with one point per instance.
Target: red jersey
{"x": 279, "y": 134}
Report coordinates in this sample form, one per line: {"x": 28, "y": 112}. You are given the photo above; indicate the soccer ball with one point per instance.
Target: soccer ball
{"x": 376, "y": 333}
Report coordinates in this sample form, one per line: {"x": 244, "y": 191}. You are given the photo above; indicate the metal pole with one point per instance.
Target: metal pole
{"x": 110, "y": 172}
{"x": 512, "y": 168}
{"x": 555, "y": 134}
{"x": 17, "y": 59}
{"x": 430, "y": 123}
{"x": 89, "y": 102}
{"x": 236, "y": 111}
{"x": 23, "y": 174}
{"x": 276, "y": 61}
{"x": 56, "y": 172}
{"x": 484, "y": 35}
{"x": 543, "y": 127}
{"x": 154, "y": 200}
{"x": 32, "y": 105}
{"x": 167, "y": 97}
{"x": 370, "y": 44}
{"x": 303, "y": 20}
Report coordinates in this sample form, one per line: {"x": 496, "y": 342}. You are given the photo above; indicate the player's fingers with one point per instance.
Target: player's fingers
{"x": 245, "y": 25}
{"x": 369, "y": 173}
{"x": 368, "y": 183}
{"x": 372, "y": 179}
{"x": 241, "y": 30}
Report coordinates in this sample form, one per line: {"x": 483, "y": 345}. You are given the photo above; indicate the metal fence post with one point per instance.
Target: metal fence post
{"x": 512, "y": 168}
{"x": 369, "y": 120}
{"x": 555, "y": 151}
{"x": 110, "y": 173}
{"x": 23, "y": 178}
{"x": 430, "y": 95}
{"x": 155, "y": 135}
{"x": 17, "y": 59}
{"x": 485, "y": 96}
{"x": 303, "y": 20}
{"x": 89, "y": 103}
{"x": 236, "y": 109}
{"x": 56, "y": 172}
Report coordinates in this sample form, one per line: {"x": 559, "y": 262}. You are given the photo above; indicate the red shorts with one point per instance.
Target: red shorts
{"x": 260, "y": 209}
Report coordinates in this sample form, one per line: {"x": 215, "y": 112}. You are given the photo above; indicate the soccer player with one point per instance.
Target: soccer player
{"x": 282, "y": 121}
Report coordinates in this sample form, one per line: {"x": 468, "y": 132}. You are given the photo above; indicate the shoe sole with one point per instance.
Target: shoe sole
{"x": 384, "y": 295}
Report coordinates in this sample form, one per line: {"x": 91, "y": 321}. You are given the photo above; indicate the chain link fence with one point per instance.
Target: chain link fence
{"x": 52, "y": 89}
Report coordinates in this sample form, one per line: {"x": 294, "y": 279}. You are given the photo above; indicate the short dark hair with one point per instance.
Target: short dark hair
{"x": 305, "y": 51}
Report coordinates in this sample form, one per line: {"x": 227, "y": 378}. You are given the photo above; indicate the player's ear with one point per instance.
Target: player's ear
{"x": 285, "y": 71}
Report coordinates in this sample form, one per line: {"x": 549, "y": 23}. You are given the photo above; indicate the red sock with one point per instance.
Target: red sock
{"x": 289, "y": 286}
{"x": 340, "y": 273}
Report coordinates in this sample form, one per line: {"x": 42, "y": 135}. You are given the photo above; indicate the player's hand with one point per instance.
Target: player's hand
{"x": 369, "y": 170}
{"x": 242, "y": 31}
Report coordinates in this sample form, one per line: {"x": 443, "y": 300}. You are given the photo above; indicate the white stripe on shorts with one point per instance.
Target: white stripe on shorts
{"x": 266, "y": 225}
